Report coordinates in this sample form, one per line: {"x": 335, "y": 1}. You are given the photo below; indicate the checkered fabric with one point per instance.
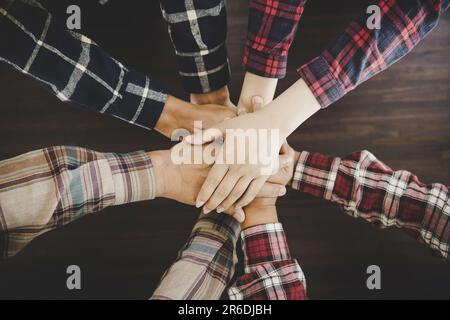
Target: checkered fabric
{"x": 360, "y": 52}
{"x": 270, "y": 272}
{"x": 271, "y": 30}
{"x": 49, "y": 188}
{"x": 43, "y": 190}
{"x": 75, "y": 68}
{"x": 367, "y": 188}
{"x": 205, "y": 264}
{"x": 198, "y": 29}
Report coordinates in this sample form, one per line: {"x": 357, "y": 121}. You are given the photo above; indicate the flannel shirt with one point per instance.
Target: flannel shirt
{"x": 270, "y": 272}
{"x": 49, "y": 188}
{"x": 367, "y": 188}
{"x": 74, "y": 67}
{"x": 361, "y": 52}
{"x": 206, "y": 263}
{"x": 272, "y": 25}
{"x": 357, "y": 55}
{"x": 198, "y": 29}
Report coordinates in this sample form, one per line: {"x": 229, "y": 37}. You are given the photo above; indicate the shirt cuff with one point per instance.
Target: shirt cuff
{"x": 319, "y": 76}
{"x": 316, "y": 174}
{"x": 220, "y": 224}
{"x": 143, "y": 100}
{"x": 132, "y": 176}
{"x": 264, "y": 64}
{"x": 204, "y": 71}
{"x": 264, "y": 244}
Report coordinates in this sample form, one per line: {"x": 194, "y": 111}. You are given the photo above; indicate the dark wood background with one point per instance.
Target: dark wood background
{"x": 402, "y": 116}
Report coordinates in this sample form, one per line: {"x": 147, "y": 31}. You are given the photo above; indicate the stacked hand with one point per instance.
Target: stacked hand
{"x": 182, "y": 182}
{"x": 252, "y": 137}
{"x": 229, "y": 183}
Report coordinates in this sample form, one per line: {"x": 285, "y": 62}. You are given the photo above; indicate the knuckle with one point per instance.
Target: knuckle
{"x": 222, "y": 193}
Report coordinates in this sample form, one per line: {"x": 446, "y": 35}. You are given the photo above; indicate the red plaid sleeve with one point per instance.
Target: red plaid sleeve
{"x": 271, "y": 29}
{"x": 270, "y": 271}
{"x": 367, "y": 188}
{"x": 362, "y": 52}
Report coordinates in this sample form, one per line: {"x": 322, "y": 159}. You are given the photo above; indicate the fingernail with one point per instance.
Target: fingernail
{"x": 282, "y": 192}
{"x": 199, "y": 204}
{"x": 220, "y": 210}
{"x": 206, "y": 211}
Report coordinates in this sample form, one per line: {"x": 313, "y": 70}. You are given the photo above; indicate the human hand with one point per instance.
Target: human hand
{"x": 262, "y": 210}
{"x": 220, "y": 97}
{"x": 178, "y": 114}
{"x": 237, "y": 178}
{"x": 182, "y": 181}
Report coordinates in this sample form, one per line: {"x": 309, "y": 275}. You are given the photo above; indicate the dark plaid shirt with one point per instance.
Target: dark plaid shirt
{"x": 80, "y": 72}
{"x": 272, "y": 26}
{"x": 198, "y": 29}
{"x": 356, "y": 56}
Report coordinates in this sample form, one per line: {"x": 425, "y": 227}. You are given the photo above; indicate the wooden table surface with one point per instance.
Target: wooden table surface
{"x": 401, "y": 115}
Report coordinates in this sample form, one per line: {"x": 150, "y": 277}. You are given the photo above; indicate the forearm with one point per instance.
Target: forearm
{"x": 292, "y": 108}
{"x": 367, "y": 188}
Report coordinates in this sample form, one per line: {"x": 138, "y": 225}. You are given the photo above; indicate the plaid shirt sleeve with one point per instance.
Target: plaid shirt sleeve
{"x": 367, "y": 188}
{"x": 46, "y": 189}
{"x": 360, "y": 52}
{"x": 205, "y": 265}
{"x": 75, "y": 68}
{"x": 270, "y": 271}
{"x": 272, "y": 27}
{"x": 198, "y": 30}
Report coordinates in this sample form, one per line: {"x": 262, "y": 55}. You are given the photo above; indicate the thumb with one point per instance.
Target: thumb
{"x": 257, "y": 103}
{"x": 241, "y": 111}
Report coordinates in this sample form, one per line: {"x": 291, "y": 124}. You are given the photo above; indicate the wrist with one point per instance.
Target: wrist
{"x": 255, "y": 85}
{"x": 258, "y": 214}
{"x": 168, "y": 121}
{"x": 220, "y": 97}
{"x": 162, "y": 171}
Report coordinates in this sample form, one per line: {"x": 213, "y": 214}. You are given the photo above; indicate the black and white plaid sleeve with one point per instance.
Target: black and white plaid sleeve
{"x": 198, "y": 30}
{"x": 75, "y": 68}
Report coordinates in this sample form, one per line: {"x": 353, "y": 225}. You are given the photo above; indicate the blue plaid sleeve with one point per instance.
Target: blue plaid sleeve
{"x": 198, "y": 30}
{"x": 75, "y": 68}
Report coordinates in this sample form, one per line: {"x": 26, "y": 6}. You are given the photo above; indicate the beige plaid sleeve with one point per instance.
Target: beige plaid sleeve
{"x": 49, "y": 188}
